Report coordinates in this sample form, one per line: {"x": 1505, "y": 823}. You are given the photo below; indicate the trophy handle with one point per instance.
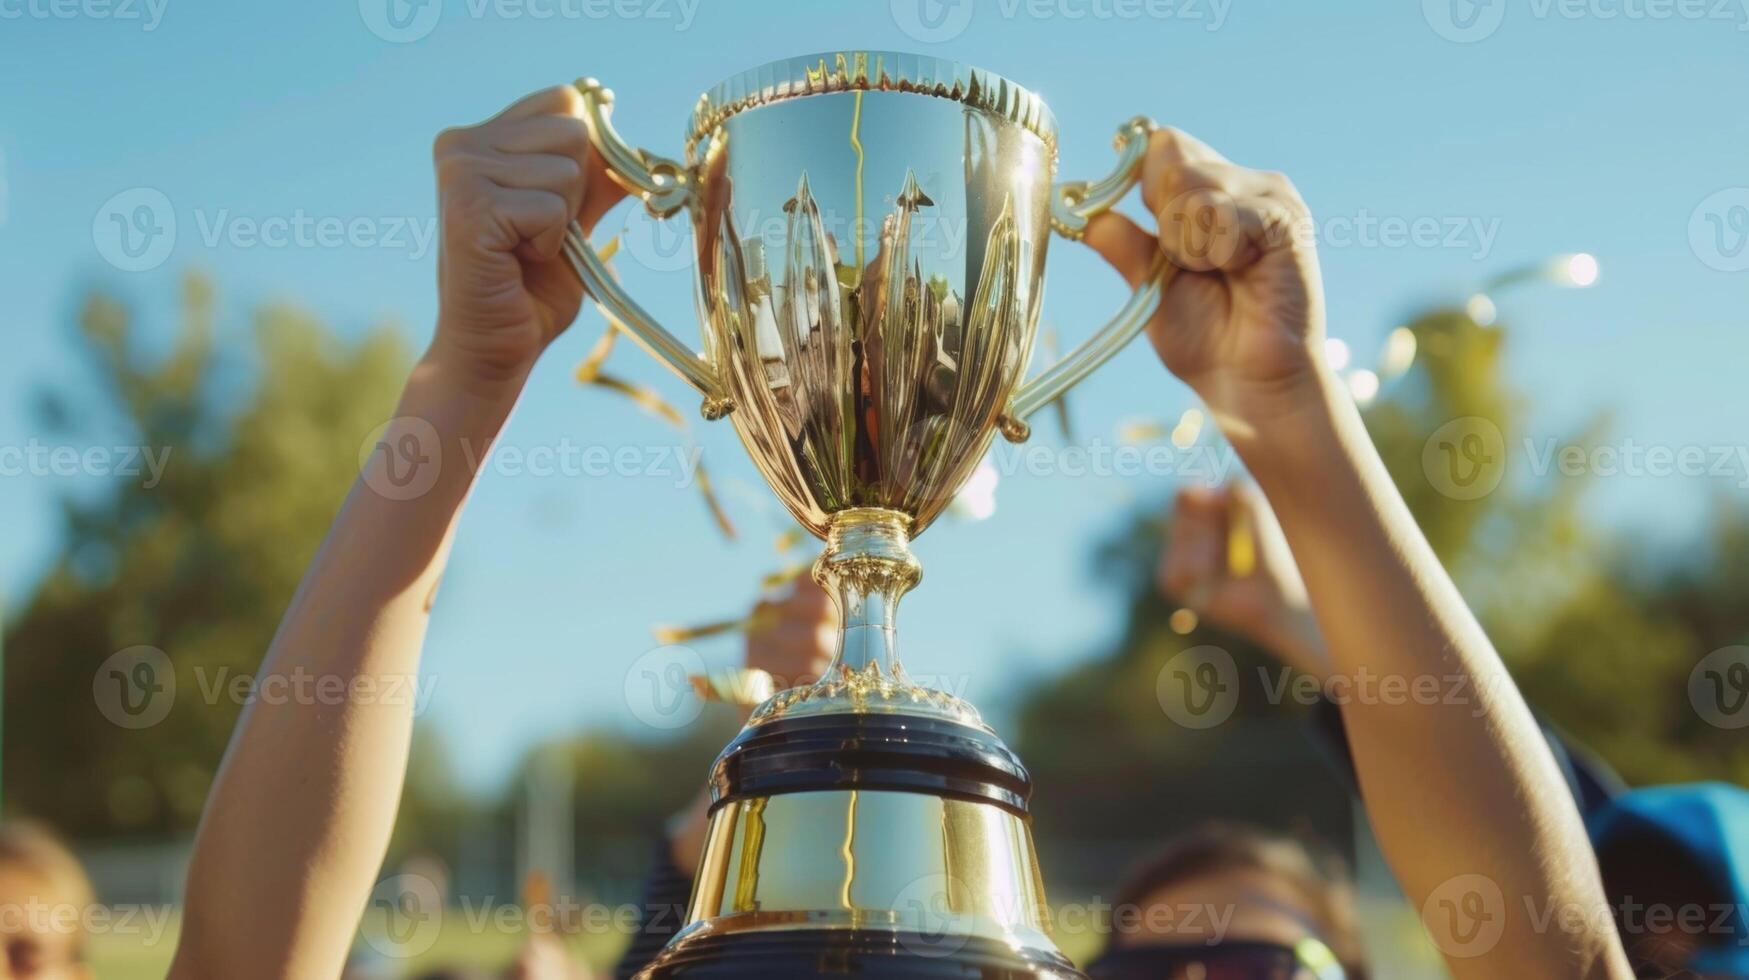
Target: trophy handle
{"x": 665, "y": 187}
{"x": 1073, "y": 202}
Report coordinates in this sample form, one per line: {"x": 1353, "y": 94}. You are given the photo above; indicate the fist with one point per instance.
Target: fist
{"x": 1243, "y": 311}
{"x": 792, "y": 636}
{"x": 507, "y": 188}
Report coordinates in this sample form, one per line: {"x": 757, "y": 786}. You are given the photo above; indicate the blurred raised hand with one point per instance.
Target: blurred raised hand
{"x": 1256, "y": 593}
{"x": 791, "y": 635}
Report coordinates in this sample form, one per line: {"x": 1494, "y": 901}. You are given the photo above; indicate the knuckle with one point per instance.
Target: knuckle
{"x": 1166, "y": 138}
{"x": 562, "y": 99}
{"x": 450, "y": 141}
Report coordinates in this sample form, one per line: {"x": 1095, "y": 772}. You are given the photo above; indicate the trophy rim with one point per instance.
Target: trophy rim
{"x": 872, "y": 70}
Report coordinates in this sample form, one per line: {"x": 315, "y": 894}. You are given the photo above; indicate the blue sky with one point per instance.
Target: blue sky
{"x": 1519, "y": 130}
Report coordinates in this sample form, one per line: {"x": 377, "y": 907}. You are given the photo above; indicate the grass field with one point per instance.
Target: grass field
{"x": 145, "y": 955}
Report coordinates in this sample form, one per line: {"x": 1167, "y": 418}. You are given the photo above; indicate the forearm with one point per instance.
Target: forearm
{"x": 301, "y": 812}
{"x": 1459, "y": 783}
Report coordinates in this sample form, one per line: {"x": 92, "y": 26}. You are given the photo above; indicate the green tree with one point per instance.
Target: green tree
{"x": 200, "y": 565}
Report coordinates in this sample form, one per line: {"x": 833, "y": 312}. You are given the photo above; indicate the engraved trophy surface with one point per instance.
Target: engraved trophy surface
{"x": 870, "y": 232}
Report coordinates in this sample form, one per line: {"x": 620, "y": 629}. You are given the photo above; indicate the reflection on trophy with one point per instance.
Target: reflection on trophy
{"x": 870, "y": 233}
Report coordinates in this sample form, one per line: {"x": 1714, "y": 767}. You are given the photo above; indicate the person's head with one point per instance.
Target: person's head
{"x": 44, "y": 897}
{"x": 1233, "y": 903}
{"x": 1675, "y": 864}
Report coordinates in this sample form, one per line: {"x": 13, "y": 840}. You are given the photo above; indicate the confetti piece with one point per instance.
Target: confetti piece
{"x": 590, "y": 372}
{"x": 669, "y": 635}
{"x": 1139, "y": 431}
{"x": 1241, "y": 548}
{"x": 1182, "y": 621}
{"x": 783, "y": 576}
{"x": 1188, "y": 429}
{"x": 745, "y": 686}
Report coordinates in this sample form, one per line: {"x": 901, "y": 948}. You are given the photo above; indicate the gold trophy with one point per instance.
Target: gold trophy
{"x": 870, "y": 233}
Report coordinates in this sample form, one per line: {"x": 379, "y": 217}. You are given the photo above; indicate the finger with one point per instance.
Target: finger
{"x": 1171, "y": 152}
{"x": 559, "y": 99}
{"x": 566, "y": 136}
{"x": 536, "y": 171}
{"x": 552, "y": 133}
{"x": 1124, "y": 244}
{"x": 1208, "y": 229}
{"x": 537, "y": 218}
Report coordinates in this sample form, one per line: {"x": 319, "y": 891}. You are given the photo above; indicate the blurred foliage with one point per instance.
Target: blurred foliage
{"x": 200, "y": 566}
{"x": 1600, "y": 635}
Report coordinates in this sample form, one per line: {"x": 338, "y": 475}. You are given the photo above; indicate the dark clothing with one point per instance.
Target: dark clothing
{"x": 661, "y": 914}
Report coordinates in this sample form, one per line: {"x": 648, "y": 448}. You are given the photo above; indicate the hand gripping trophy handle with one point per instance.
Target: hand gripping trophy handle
{"x": 1073, "y": 204}
{"x": 665, "y": 186}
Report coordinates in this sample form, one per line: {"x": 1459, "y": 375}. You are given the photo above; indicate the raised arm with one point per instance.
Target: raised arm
{"x": 1463, "y": 792}
{"x": 299, "y": 818}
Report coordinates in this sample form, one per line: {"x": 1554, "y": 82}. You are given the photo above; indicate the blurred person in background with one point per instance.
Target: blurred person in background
{"x": 300, "y": 815}
{"x": 1674, "y": 859}
{"x": 45, "y": 898}
{"x": 1236, "y": 902}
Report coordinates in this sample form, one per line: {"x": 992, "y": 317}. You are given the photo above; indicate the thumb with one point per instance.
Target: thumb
{"x": 1127, "y": 246}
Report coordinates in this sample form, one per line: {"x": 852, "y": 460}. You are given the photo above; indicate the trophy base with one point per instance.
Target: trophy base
{"x": 879, "y": 844}
{"x": 859, "y": 952}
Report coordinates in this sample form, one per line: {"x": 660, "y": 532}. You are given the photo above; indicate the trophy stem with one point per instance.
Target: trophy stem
{"x": 867, "y": 567}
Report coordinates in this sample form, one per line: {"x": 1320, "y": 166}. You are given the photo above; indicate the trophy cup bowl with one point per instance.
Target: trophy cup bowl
{"x": 870, "y": 232}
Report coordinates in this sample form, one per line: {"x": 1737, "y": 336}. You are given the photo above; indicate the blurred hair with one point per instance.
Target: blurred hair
{"x": 37, "y": 850}
{"x": 1320, "y": 877}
